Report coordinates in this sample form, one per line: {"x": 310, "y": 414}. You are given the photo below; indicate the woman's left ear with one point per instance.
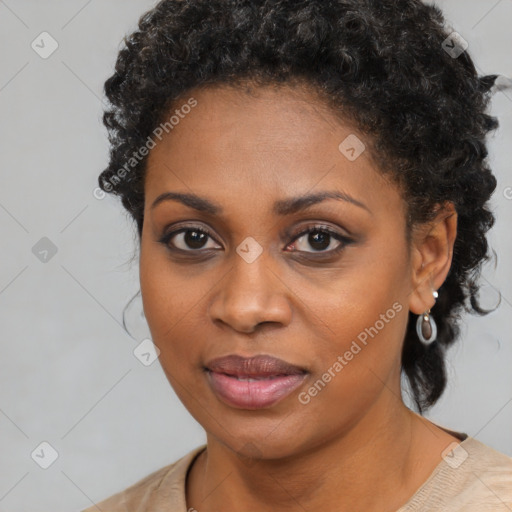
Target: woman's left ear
{"x": 431, "y": 257}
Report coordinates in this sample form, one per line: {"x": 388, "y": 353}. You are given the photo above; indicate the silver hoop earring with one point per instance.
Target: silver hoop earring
{"x": 426, "y": 327}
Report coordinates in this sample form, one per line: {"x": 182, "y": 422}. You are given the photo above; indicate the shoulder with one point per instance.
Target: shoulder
{"x": 167, "y": 483}
{"x": 472, "y": 477}
{"x": 491, "y": 468}
{"x": 483, "y": 478}
{"x": 492, "y": 459}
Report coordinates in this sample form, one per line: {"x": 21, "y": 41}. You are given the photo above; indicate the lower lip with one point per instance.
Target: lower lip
{"x": 253, "y": 394}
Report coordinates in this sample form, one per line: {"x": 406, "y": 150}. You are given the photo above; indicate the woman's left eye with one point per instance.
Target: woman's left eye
{"x": 320, "y": 238}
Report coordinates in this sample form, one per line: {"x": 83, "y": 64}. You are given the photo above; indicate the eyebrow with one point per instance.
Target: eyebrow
{"x": 282, "y": 207}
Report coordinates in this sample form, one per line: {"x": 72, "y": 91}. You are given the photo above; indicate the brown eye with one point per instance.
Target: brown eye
{"x": 190, "y": 239}
{"x": 319, "y": 239}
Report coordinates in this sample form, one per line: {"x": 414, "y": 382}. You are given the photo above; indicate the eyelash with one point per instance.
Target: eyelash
{"x": 311, "y": 229}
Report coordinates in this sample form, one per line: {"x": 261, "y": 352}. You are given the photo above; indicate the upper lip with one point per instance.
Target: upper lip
{"x": 257, "y": 366}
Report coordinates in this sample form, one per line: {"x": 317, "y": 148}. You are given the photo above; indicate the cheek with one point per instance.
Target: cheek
{"x": 165, "y": 296}
{"x": 364, "y": 316}
{"x": 360, "y": 363}
{"x": 359, "y": 297}
{"x": 365, "y": 336}
{"x": 175, "y": 306}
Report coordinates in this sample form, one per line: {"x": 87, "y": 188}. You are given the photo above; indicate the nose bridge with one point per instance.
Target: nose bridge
{"x": 251, "y": 271}
{"x": 251, "y": 293}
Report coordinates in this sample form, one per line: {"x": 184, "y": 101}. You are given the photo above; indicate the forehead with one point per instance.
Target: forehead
{"x": 262, "y": 141}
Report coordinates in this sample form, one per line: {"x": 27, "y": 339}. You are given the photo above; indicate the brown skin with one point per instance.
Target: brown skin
{"x": 355, "y": 444}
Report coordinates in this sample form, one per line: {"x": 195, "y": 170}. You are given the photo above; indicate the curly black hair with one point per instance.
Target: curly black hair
{"x": 385, "y": 65}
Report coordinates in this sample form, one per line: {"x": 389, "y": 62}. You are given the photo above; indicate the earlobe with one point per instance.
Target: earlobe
{"x": 432, "y": 252}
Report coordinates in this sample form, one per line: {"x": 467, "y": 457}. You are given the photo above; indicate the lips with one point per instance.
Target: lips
{"x": 253, "y": 383}
{"x": 257, "y": 367}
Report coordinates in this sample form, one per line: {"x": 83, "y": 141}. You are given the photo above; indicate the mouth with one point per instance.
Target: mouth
{"x": 254, "y": 378}
{"x": 253, "y": 383}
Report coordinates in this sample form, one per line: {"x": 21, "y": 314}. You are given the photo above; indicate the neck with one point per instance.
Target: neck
{"x": 375, "y": 462}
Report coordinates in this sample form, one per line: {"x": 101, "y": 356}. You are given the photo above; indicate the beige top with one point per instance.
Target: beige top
{"x": 471, "y": 478}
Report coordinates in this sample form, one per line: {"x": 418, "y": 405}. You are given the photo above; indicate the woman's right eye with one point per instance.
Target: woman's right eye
{"x": 188, "y": 239}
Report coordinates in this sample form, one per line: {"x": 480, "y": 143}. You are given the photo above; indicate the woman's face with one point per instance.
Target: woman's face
{"x": 244, "y": 280}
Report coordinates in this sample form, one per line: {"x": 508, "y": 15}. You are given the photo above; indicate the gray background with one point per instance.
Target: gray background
{"x": 68, "y": 373}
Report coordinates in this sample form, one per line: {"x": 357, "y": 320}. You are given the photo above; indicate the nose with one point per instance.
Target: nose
{"x": 251, "y": 294}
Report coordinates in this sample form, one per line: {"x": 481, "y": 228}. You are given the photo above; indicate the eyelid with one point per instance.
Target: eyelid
{"x": 315, "y": 226}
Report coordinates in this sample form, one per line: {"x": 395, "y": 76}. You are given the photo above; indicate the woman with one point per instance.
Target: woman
{"x": 309, "y": 185}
